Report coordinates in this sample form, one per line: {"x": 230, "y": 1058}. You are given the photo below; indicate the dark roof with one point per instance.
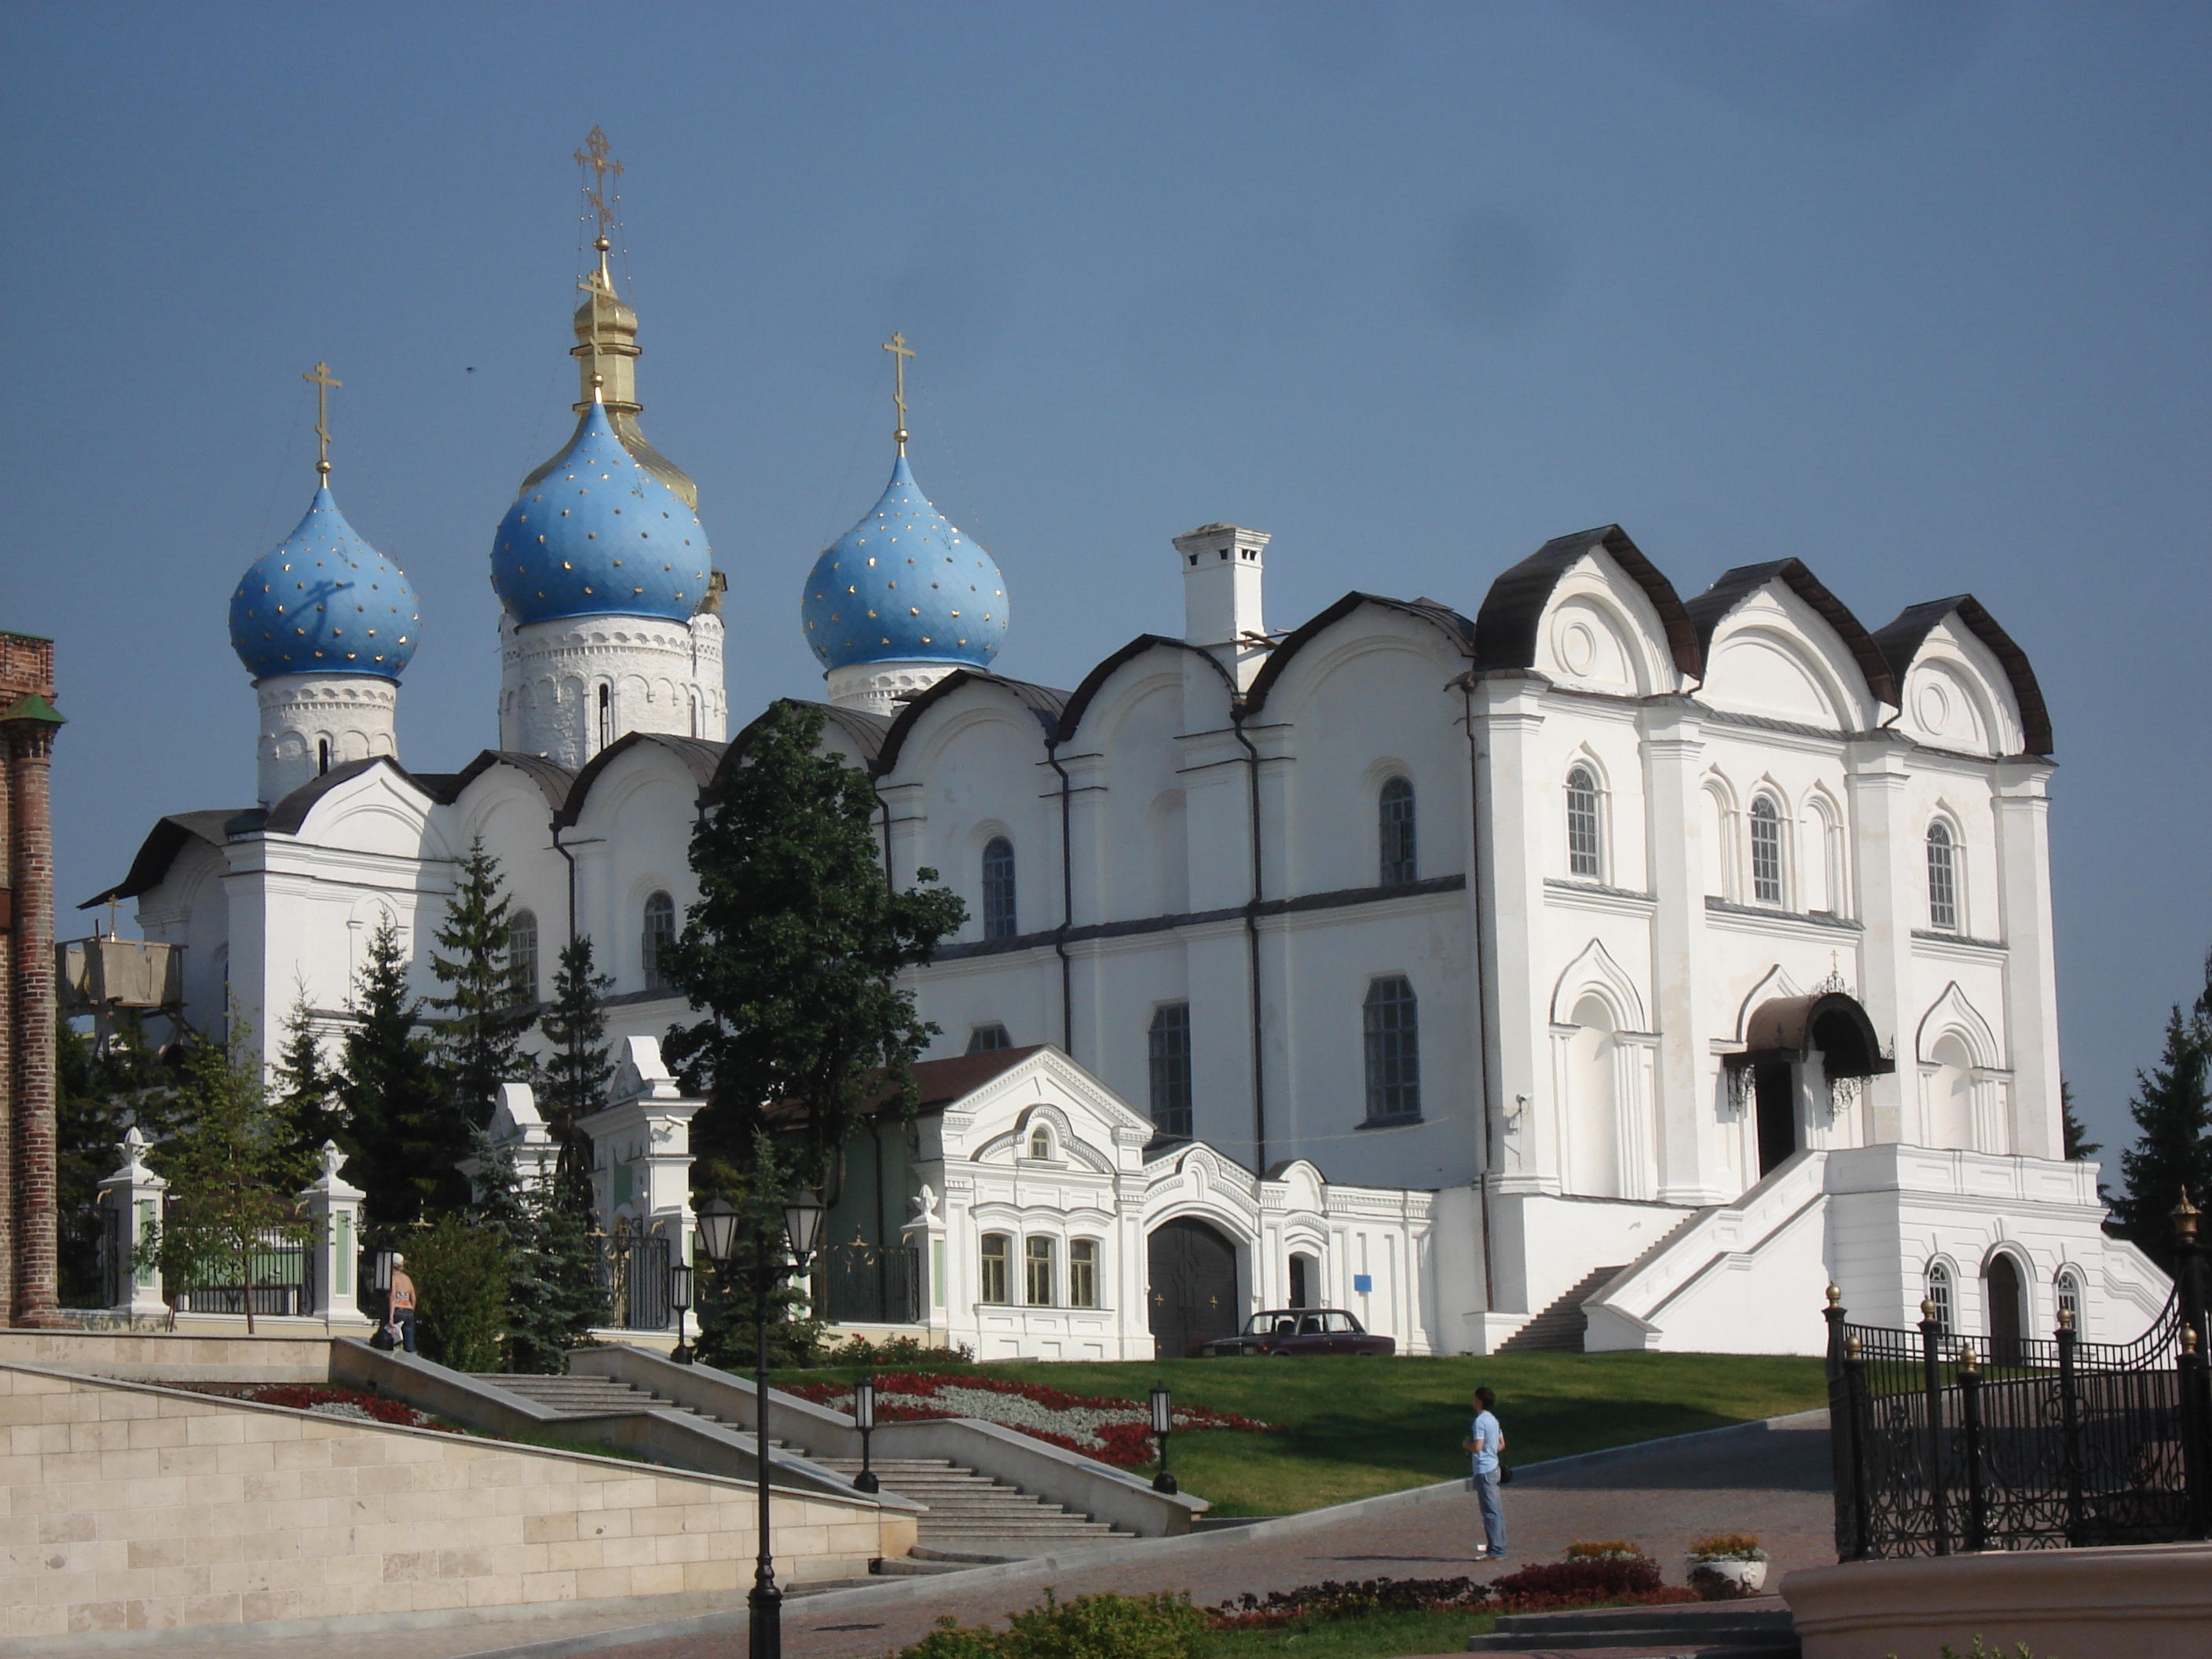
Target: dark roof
{"x": 1079, "y": 703}
{"x": 159, "y": 851}
{"x": 1901, "y": 639}
{"x": 1042, "y": 701}
{"x": 701, "y": 755}
{"x": 1506, "y": 627}
{"x": 1711, "y": 607}
{"x": 553, "y": 782}
{"x": 1453, "y": 626}
{"x": 286, "y": 817}
{"x": 865, "y": 730}
{"x": 1782, "y": 1030}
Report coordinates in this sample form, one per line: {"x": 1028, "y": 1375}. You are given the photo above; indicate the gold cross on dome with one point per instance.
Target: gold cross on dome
{"x": 594, "y": 156}
{"x": 320, "y": 375}
{"x": 900, "y": 351}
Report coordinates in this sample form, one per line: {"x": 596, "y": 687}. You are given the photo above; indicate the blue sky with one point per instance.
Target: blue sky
{"x": 1916, "y": 293}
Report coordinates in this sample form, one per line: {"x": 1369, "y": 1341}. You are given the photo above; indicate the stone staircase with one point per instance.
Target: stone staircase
{"x": 971, "y": 1518}
{"x": 1559, "y": 1327}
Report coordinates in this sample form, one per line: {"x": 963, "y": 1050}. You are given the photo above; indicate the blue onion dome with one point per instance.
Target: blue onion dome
{"x": 904, "y": 585}
{"x": 597, "y": 535}
{"x": 324, "y": 601}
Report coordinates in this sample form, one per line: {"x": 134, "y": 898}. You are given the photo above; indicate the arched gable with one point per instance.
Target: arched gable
{"x": 1954, "y": 1014}
{"x": 1958, "y": 629}
{"x": 1778, "y": 644}
{"x": 1095, "y": 683}
{"x": 368, "y": 806}
{"x": 1455, "y": 628}
{"x": 1509, "y": 630}
{"x": 1595, "y": 973}
{"x": 1039, "y": 703}
{"x": 694, "y": 758}
{"x": 1775, "y": 982}
{"x": 853, "y": 735}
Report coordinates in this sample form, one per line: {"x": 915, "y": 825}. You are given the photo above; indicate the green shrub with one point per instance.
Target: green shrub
{"x": 460, "y": 1275}
{"x": 1159, "y": 1627}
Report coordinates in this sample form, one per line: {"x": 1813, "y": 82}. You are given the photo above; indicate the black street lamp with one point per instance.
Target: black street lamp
{"x": 679, "y": 1292}
{"x": 802, "y": 1229}
{"x": 1162, "y": 1425}
{"x": 864, "y": 1418}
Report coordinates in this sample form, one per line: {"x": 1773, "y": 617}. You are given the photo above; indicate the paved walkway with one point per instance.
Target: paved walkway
{"x": 1770, "y": 1480}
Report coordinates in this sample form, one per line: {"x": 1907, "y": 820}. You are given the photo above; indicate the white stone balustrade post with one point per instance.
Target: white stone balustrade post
{"x": 134, "y": 1192}
{"x": 333, "y": 1206}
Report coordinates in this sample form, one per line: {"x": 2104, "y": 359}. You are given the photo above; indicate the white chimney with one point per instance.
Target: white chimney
{"x": 1221, "y": 575}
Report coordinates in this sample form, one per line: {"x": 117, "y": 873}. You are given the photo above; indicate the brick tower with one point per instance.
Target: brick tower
{"x": 28, "y": 1282}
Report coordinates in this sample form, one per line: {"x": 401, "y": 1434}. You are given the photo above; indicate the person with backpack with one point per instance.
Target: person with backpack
{"x": 399, "y": 1305}
{"x": 1487, "y": 1442}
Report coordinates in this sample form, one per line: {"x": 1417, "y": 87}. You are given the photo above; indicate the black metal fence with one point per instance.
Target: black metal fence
{"x": 277, "y": 1279}
{"x": 634, "y": 1276}
{"x": 1940, "y": 1446}
{"x": 872, "y": 1284}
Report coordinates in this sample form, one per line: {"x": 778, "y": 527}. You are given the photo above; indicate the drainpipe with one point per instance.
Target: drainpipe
{"x": 1252, "y": 946}
{"x": 1066, "y": 904}
{"x": 889, "y": 884}
{"x": 571, "y": 859}
{"x": 1481, "y": 992}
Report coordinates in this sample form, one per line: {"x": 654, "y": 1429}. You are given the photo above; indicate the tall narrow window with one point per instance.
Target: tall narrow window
{"x": 1943, "y": 878}
{"x": 1396, "y": 809}
{"x": 1939, "y": 1293}
{"x": 606, "y": 716}
{"x": 995, "y": 1268}
{"x": 659, "y": 933}
{"x": 322, "y": 755}
{"x": 1392, "y": 1019}
{"x": 1041, "y": 1143}
{"x": 522, "y": 956}
{"x": 1037, "y": 1272}
{"x": 989, "y": 1039}
{"x": 1585, "y": 852}
{"x": 2069, "y": 1299}
{"x": 1082, "y": 1272}
{"x": 999, "y": 889}
{"x": 1169, "y": 1042}
{"x": 1765, "y": 851}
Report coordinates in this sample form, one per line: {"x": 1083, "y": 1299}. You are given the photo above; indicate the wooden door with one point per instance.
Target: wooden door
{"x": 1191, "y": 1286}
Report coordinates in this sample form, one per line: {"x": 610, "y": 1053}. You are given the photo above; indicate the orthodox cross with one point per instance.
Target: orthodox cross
{"x": 594, "y": 156}
{"x": 320, "y": 375}
{"x": 900, "y": 351}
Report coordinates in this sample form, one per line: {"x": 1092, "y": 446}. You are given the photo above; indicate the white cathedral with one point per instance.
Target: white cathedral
{"x": 1604, "y": 969}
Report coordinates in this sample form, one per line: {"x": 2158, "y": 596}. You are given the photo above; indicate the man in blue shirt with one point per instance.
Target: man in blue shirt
{"x": 1487, "y": 1440}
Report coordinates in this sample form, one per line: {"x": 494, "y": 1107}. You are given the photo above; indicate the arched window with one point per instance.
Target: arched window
{"x": 1396, "y": 813}
{"x": 1037, "y": 1272}
{"x": 322, "y": 755}
{"x": 999, "y": 889}
{"x": 1585, "y": 849}
{"x": 1082, "y": 1272}
{"x": 659, "y": 933}
{"x": 606, "y": 716}
{"x": 1939, "y": 1293}
{"x": 1391, "y": 1018}
{"x": 1041, "y": 1142}
{"x": 1168, "y": 1044}
{"x": 1943, "y": 878}
{"x": 993, "y": 1288}
{"x": 2069, "y": 1300}
{"x": 522, "y": 956}
{"x": 1765, "y": 851}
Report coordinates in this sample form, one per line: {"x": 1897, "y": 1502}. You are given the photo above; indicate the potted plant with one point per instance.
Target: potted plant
{"x": 1731, "y": 1562}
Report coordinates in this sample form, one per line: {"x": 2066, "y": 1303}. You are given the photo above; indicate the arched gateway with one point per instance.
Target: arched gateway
{"x": 1190, "y": 1286}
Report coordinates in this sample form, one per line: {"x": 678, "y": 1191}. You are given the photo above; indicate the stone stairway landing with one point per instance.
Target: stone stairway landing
{"x": 1559, "y": 1328}
{"x": 596, "y": 1396}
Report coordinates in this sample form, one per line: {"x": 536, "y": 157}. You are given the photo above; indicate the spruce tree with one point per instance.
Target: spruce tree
{"x": 2173, "y": 1111}
{"x": 2079, "y": 1146}
{"x": 483, "y": 1013}
{"x": 396, "y": 1106}
{"x": 794, "y": 951}
{"x": 576, "y": 1069}
{"x": 554, "y": 1297}
{"x": 307, "y": 1088}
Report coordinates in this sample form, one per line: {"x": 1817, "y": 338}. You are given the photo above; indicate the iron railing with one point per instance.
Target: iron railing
{"x": 277, "y": 1279}
{"x": 1940, "y": 1447}
{"x": 635, "y": 1278}
{"x": 872, "y": 1284}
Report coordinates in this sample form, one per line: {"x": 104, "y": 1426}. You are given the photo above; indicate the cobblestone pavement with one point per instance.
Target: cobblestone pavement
{"x": 1773, "y": 1482}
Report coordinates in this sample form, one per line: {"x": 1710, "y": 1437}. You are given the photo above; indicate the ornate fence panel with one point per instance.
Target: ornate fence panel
{"x": 277, "y": 1280}
{"x": 872, "y": 1284}
{"x": 635, "y": 1278}
{"x": 1938, "y": 1449}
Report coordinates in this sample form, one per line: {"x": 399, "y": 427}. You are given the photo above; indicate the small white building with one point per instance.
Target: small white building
{"x": 1587, "y": 956}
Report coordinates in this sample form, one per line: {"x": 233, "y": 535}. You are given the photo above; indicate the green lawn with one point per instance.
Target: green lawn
{"x": 1378, "y": 1636}
{"x": 1353, "y": 1428}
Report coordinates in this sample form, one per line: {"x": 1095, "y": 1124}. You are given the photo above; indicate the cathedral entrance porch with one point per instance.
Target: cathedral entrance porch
{"x": 1192, "y": 1287}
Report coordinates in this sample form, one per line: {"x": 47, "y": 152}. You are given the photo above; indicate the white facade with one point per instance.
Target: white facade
{"x": 311, "y": 722}
{"x": 1486, "y": 914}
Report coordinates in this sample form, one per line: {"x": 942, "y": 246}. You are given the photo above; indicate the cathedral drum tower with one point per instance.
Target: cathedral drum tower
{"x": 611, "y": 619}
{"x": 325, "y": 624}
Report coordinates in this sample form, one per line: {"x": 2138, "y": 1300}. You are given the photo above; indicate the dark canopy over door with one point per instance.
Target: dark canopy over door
{"x": 1192, "y": 1297}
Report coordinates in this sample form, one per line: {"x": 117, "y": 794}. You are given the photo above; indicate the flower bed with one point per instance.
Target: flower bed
{"x": 1541, "y": 1589}
{"x": 343, "y": 1402}
{"x": 1117, "y": 1431}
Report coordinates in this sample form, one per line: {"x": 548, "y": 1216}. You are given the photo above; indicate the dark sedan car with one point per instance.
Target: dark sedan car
{"x": 1282, "y": 1332}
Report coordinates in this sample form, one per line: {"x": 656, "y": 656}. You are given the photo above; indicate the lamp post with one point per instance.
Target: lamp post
{"x": 864, "y": 1418}
{"x": 1162, "y": 1425}
{"x": 679, "y": 1292}
{"x": 802, "y": 1232}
